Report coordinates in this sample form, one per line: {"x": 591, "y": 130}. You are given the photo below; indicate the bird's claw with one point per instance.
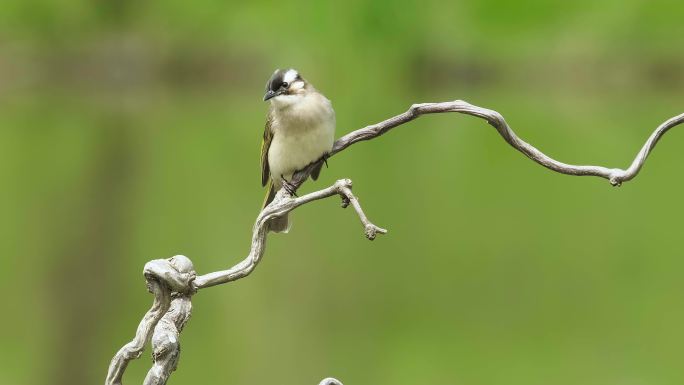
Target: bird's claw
{"x": 289, "y": 187}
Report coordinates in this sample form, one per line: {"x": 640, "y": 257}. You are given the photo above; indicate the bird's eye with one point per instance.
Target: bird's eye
{"x": 285, "y": 84}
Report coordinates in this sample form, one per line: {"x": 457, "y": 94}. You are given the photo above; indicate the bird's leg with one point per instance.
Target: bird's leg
{"x": 345, "y": 201}
{"x": 325, "y": 159}
{"x": 289, "y": 187}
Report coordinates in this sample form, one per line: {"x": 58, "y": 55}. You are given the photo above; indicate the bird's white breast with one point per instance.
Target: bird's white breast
{"x": 302, "y": 132}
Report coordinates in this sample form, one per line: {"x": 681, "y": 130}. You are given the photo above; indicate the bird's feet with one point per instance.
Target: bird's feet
{"x": 289, "y": 187}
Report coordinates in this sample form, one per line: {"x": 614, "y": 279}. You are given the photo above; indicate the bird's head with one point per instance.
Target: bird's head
{"x": 285, "y": 87}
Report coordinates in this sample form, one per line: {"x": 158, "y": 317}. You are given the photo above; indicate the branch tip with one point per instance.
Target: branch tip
{"x": 372, "y": 231}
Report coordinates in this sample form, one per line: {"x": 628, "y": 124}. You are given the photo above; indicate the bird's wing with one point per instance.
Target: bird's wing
{"x": 265, "y": 145}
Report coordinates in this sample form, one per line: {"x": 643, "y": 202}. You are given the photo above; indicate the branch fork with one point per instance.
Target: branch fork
{"x": 170, "y": 281}
{"x": 173, "y": 282}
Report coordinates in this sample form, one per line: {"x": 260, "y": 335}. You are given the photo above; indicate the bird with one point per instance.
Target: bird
{"x": 300, "y": 130}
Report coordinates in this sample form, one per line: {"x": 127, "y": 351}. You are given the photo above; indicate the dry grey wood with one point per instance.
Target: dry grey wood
{"x": 166, "y": 278}
{"x": 166, "y": 336}
{"x": 166, "y": 340}
{"x": 161, "y": 276}
{"x": 614, "y": 175}
{"x": 134, "y": 349}
{"x": 282, "y": 204}
{"x": 175, "y": 278}
{"x": 173, "y": 281}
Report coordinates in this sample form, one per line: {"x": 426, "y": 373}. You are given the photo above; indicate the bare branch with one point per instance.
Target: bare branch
{"x": 173, "y": 282}
{"x": 166, "y": 340}
{"x": 283, "y": 204}
{"x": 162, "y": 276}
{"x": 615, "y": 175}
{"x": 133, "y": 349}
{"x": 349, "y": 198}
{"x": 175, "y": 277}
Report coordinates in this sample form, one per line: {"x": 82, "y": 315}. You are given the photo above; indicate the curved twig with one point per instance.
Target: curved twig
{"x": 175, "y": 278}
{"x": 615, "y": 175}
{"x": 133, "y": 349}
{"x": 283, "y": 204}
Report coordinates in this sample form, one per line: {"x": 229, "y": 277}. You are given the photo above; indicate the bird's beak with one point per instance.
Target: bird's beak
{"x": 270, "y": 94}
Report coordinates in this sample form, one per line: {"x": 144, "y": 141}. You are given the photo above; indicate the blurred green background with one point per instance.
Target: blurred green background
{"x": 130, "y": 131}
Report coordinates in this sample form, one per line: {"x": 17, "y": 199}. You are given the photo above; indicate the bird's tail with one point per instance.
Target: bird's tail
{"x": 280, "y": 224}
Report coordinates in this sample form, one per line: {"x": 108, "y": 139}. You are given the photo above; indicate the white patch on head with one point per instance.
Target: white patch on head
{"x": 297, "y": 85}
{"x": 290, "y": 76}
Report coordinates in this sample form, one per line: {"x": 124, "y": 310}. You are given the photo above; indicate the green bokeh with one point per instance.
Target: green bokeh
{"x": 130, "y": 131}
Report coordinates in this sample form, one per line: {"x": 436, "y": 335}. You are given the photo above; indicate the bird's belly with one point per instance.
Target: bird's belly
{"x": 293, "y": 150}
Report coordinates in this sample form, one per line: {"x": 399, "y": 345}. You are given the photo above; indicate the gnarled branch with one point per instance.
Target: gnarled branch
{"x": 162, "y": 276}
{"x": 283, "y": 204}
{"x": 173, "y": 282}
{"x": 175, "y": 277}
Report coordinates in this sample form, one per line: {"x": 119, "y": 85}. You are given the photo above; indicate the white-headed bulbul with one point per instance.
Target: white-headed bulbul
{"x": 300, "y": 129}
